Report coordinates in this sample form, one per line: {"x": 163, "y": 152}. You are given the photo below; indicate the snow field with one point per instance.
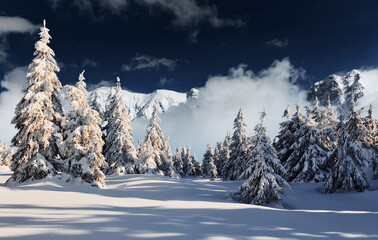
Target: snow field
{"x": 159, "y": 207}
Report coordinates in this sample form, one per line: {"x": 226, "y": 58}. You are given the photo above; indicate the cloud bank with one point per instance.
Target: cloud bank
{"x": 16, "y": 25}
{"x": 12, "y": 25}
{"x": 208, "y": 118}
{"x": 13, "y": 82}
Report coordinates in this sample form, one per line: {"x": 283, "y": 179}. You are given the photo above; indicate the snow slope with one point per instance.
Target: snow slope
{"x": 158, "y": 207}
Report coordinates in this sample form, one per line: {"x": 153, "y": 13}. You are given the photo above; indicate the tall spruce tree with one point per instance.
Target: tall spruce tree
{"x": 347, "y": 173}
{"x": 95, "y": 105}
{"x": 262, "y": 148}
{"x": 285, "y": 137}
{"x": 160, "y": 146}
{"x": 371, "y": 127}
{"x": 217, "y": 156}
{"x": 82, "y": 138}
{"x": 308, "y": 159}
{"x": 186, "y": 161}
{"x": 195, "y": 166}
{"x": 327, "y": 127}
{"x": 146, "y": 159}
{"x": 239, "y": 150}
{"x": 224, "y": 154}
{"x": 264, "y": 185}
{"x": 38, "y": 117}
{"x": 208, "y": 167}
{"x": 178, "y": 163}
{"x": 119, "y": 150}
{"x": 355, "y": 124}
{"x": 370, "y": 124}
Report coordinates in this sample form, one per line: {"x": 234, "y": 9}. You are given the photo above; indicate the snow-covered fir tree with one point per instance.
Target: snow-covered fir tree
{"x": 329, "y": 115}
{"x": 371, "y": 127}
{"x": 160, "y": 146}
{"x": 186, "y": 161}
{"x": 146, "y": 159}
{"x": 262, "y": 149}
{"x": 285, "y": 137}
{"x": 374, "y": 164}
{"x": 307, "y": 162}
{"x": 347, "y": 173}
{"x": 208, "y": 167}
{"x": 317, "y": 113}
{"x": 217, "y": 156}
{"x": 197, "y": 166}
{"x": 327, "y": 127}
{"x": 190, "y": 164}
{"x": 224, "y": 154}
{"x": 290, "y": 133}
{"x": 195, "y": 169}
{"x": 119, "y": 150}
{"x": 38, "y": 117}
{"x": 239, "y": 150}
{"x": 82, "y": 137}
{"x": 5, "y": 154}
{"x": 264, "y": 186}
{"x": 355, "y": 124}
{"x": 95, "y": 105}
{"x": 178, "y": 163}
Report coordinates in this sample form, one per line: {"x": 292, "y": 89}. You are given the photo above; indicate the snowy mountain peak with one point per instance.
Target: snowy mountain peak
{"x": 192, "y": 94}
{"x": 139, "y": 105}
{"x": 338, "y": 88}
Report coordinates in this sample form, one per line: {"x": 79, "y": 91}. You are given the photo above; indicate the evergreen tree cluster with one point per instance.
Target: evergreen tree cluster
{"x": 318, "y": 147}
{"x": 315, "y": 147}
{"x": 53, "y": 140}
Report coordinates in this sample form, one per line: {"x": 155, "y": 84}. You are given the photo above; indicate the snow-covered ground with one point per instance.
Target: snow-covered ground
{"x": 158, "y": 207}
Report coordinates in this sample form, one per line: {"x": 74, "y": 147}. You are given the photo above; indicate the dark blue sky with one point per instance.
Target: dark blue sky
{"x": 190, "y": 40}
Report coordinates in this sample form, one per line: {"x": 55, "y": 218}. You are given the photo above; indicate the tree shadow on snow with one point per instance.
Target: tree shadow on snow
{"x": 110, "y": 222}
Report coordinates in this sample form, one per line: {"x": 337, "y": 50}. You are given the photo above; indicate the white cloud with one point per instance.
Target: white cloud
{"x": 102, "y": 83}
{"x": 89, "y": 62}
{"x": 278, "y": 43}
{"x": 16, "y": 25}
{"x": 369, "y": 82}
{"x": 141, "y": 62}
{"x": 208, "y": 118}
{"x": 12, "y": 25}
{"x": 13, "y": 83}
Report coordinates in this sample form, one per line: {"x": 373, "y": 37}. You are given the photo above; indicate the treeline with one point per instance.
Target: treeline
{"x": 53, "y": 140}
{"x": 75, "y": 140}
{"x": 340, "y": 151}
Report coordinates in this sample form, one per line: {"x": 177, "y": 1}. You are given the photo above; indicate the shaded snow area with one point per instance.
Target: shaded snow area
{"x": 158, "y": 207}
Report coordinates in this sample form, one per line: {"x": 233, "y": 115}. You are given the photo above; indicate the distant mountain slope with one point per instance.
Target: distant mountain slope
{"x": 140, "y": 105}
{"x": 339, "y": 89}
